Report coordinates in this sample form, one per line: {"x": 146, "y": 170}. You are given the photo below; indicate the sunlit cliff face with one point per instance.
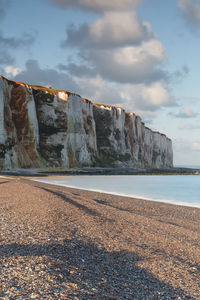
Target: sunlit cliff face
{"x": 43, "y": 127}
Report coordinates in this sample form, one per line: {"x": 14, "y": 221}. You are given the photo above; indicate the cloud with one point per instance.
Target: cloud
{"x": 179, "y": 74}
{"x": 33, "y": 74}
{"x": 119, "y": 57}
{"x": 5, "y": 58}
{"x": 183, "y": 126}
{"x": 76, "y": 70}
{"x": 190, "y": 9}
{"x": 185, "y": 113}
{"x": 193, "y": 100}
{"x": 196, "y": 146}
{"x": 97, "y": 5}
{"x": 8, "y": 44}
{"x": 114, "y": 29}
{"x": 141, "y": 99}
{"x": 120, "y": 47}
{"x": 99, "y": 90}
{"x": 11, "y": 71}
{"x": 4, "y": 4}
{"x": 148, "y": 98}
{"x": 13, "y": 42}
{"x": 189, "y": 146}
{"x": 157, "y": 94}
{"x": 132, "y": 64}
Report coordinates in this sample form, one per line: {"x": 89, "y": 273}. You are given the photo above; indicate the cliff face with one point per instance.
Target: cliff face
{"x": 42, "y": 127}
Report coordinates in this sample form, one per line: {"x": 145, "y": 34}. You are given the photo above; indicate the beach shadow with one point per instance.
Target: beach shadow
{"x": 75, "y": 194}
{"x": 96, "y": 272}
{"x": 4, "y": 182}
{"x": 134, "y": 211}
{"x": 169, "y": 222}
{"x": 73, "y": 202}
{"x": 192, "y": 268}
{"x": 115, "y": 207}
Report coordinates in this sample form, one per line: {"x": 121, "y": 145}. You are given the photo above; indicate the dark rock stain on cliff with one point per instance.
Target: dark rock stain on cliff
{"x": 41, "y": 126}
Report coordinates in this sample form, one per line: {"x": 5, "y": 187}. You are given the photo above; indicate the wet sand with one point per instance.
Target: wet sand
{"x": 64, "y": 243}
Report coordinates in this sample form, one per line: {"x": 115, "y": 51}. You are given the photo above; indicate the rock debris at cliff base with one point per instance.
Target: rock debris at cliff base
{"x": 62, "y": 243}
{"x": 43, "y": 127}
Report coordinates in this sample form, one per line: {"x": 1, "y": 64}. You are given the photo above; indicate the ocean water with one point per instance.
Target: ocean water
{"x": 174, "y": 189}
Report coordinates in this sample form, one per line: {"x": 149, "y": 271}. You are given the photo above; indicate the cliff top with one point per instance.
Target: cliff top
{"x": 54, "y": 92}
{"x": 49, "y": 90}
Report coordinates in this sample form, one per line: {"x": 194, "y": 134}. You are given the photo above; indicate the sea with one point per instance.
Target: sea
{"x": 174, "y": 189}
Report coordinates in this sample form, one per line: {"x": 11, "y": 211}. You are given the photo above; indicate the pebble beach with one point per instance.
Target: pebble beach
{"x": 64, "y": 243}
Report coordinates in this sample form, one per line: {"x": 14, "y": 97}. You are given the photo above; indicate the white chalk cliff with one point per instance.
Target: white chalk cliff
{"x": 43, "y": 127}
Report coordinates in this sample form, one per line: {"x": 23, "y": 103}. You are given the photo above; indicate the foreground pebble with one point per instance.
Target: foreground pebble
{"x": 61, "y": 243}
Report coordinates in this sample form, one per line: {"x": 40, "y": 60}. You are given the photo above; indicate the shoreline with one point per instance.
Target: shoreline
{"x": 167, "y": 201}
{"x": 66, "y": 243}
{"x": 100, "y": 171}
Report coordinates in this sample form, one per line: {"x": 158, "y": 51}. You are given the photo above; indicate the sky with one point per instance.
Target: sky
{"x": 142, "y": 55}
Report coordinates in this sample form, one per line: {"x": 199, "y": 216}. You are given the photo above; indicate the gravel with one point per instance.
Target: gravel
{"x": 64, "y": 243}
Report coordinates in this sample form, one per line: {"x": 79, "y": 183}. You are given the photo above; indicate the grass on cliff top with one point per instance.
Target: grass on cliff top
{"x": 51, "y": 90}
{"x": 40, "y": 88}
{"x": 107, "y": 106}
{"x": 46, "y": 89}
